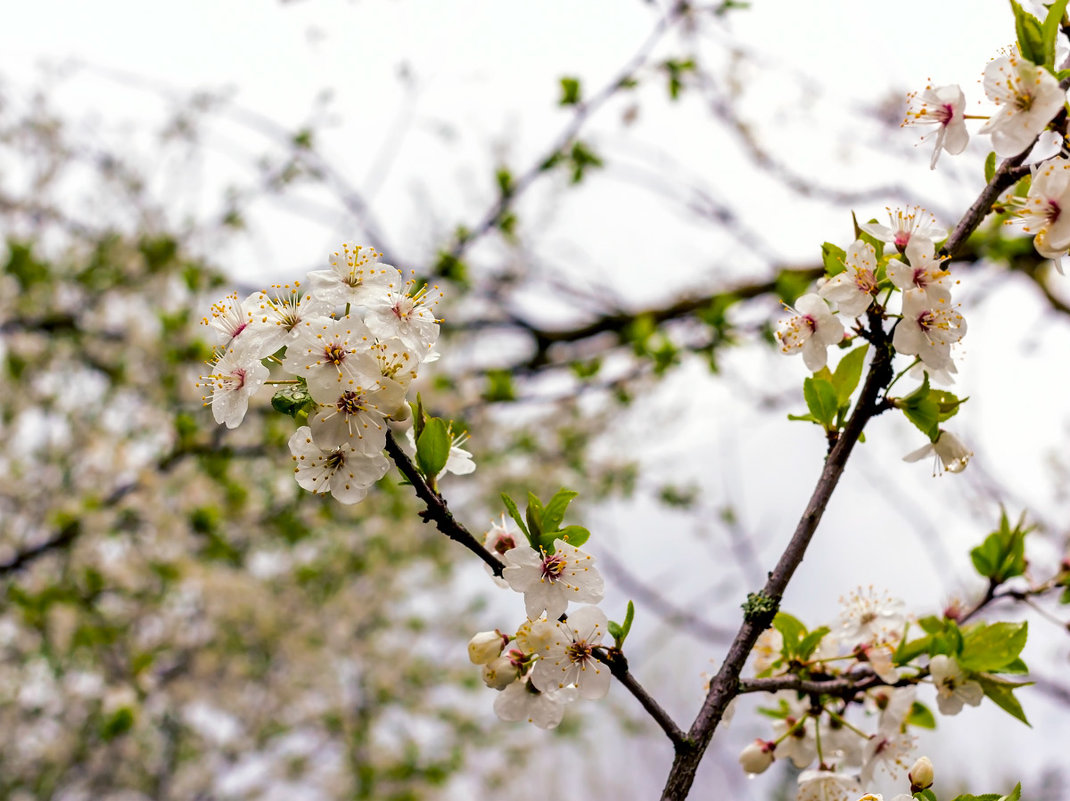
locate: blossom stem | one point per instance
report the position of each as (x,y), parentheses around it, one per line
(847,724)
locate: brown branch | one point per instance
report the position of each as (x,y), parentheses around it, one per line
(618,666)
(762,607)
(436,509)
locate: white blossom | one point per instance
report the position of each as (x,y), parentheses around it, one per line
(927,330)
(339,349)
(354,277)
(869,616)
(825,785)
(275,316)
(351,412)
(521,700)
(550,580)
(1029,97)
(235,376)
(486,646)
(343,470)
(943,107)
(811,331)
(407,315)
(1045,211)
(569,661)
(852,290)
(908,224)
(923,272)
(950,452)
(953,689)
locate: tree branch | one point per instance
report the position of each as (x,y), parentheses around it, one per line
(618,666)
(437,510)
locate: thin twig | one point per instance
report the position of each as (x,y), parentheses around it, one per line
(618,666)
(436,508)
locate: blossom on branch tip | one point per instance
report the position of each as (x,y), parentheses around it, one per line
(811,331)
(943,107)
(951,454)
(852,290)
(921,775)
(1029,97)
(550,580)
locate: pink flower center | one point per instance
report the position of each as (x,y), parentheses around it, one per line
(334,354)
(810,322)
(1053,211)
(902,239)
(238,377)
(553,566)
(579,652)
(504,544)
(944,114)
(350,402)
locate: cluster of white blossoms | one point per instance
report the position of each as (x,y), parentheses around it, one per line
(353,342)
(1028,97)
(807,730)
(551,660)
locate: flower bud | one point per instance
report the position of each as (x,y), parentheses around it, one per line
(485,647)
(757,756)
(921,775)
(400,420)
(499,673)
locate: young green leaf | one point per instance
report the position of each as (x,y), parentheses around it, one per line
(433,447)
(834,258)
(1030,34)
(991,647)
(514,512)
(1002,695)
(820,396)
(990,167)
(533,514)
(1050,30)
(556,508)
(848,374)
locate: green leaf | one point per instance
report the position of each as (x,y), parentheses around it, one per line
(555,509)
(809,643)
(1030,35)
(991,647)
(834,258)
(573,535)
(920,716)
(820,396)
(570,91)
(616,632)
(849,373)
(912,650)
(990,167)
(791,630)
(629,616)
(985,797)
(1016,793)
(533,514)
(1002,694)
(433,447)
(1050,30)
(922,410)
(514,512)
